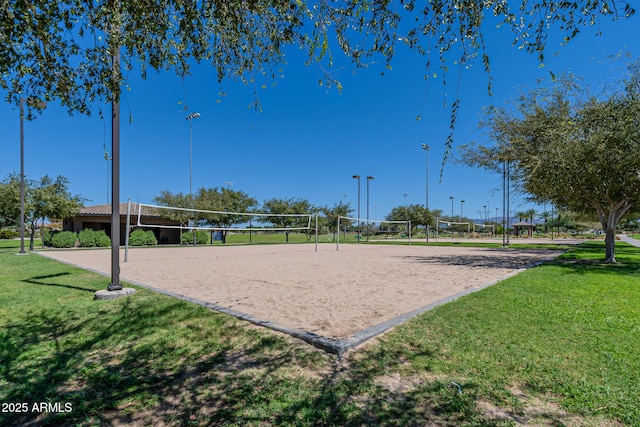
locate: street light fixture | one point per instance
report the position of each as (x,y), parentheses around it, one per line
(40,105)
(369,178)
(425,147)
(190,117)
(358,178)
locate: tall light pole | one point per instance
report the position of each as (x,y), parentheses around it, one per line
(190,117)
(22,175)
(425,147)
(369,178)
(485,214)
(358,178)
(461,204)
(108,158)
(38,104)
(451,197)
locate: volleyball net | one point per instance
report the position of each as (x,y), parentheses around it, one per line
(199,219)
(453,227)
(484,228)
(365,228)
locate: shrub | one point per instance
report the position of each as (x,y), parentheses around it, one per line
(202,238)
(48,235)
(91,238)
(141,237)
(64,239)
(8,234)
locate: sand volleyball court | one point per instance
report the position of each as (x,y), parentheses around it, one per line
(337,298)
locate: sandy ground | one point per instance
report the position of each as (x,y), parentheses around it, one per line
(331,293)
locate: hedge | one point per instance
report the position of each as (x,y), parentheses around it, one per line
(8,234)
(142,238)
(202,238)
(91,238)
(63,239)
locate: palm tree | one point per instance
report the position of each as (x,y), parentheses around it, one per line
(546,216)
(530,214)
(521,215)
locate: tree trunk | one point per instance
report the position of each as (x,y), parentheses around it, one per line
(610,244)
(33,234)
(609,221)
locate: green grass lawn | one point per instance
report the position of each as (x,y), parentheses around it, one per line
(15,243)
(555,345)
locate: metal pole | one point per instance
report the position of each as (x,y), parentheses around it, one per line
(552,221)
(115,284)
(22,176)
(358,178)
(425,147)
(451,197)
(461,203)
(508,199)
(126,236)
(504,202)
(190,117)
(369,178)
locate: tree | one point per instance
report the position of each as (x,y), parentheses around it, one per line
(177,200)
(45,198)
(50,199)
(417,214)
(227,204)
(530,214)
(329,218)
(521,215)
(276,208)
(579,151)
(10,201)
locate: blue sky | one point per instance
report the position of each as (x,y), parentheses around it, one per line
(308,141)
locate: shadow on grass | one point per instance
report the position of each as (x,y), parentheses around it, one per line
(589,257)
(39,280)
(128,364)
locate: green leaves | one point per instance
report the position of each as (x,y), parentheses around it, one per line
(578,152)
(63,50)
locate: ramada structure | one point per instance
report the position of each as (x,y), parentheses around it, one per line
(98,217)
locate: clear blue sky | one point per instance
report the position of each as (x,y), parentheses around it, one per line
(308,140)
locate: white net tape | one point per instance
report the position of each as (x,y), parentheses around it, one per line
(200,219)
